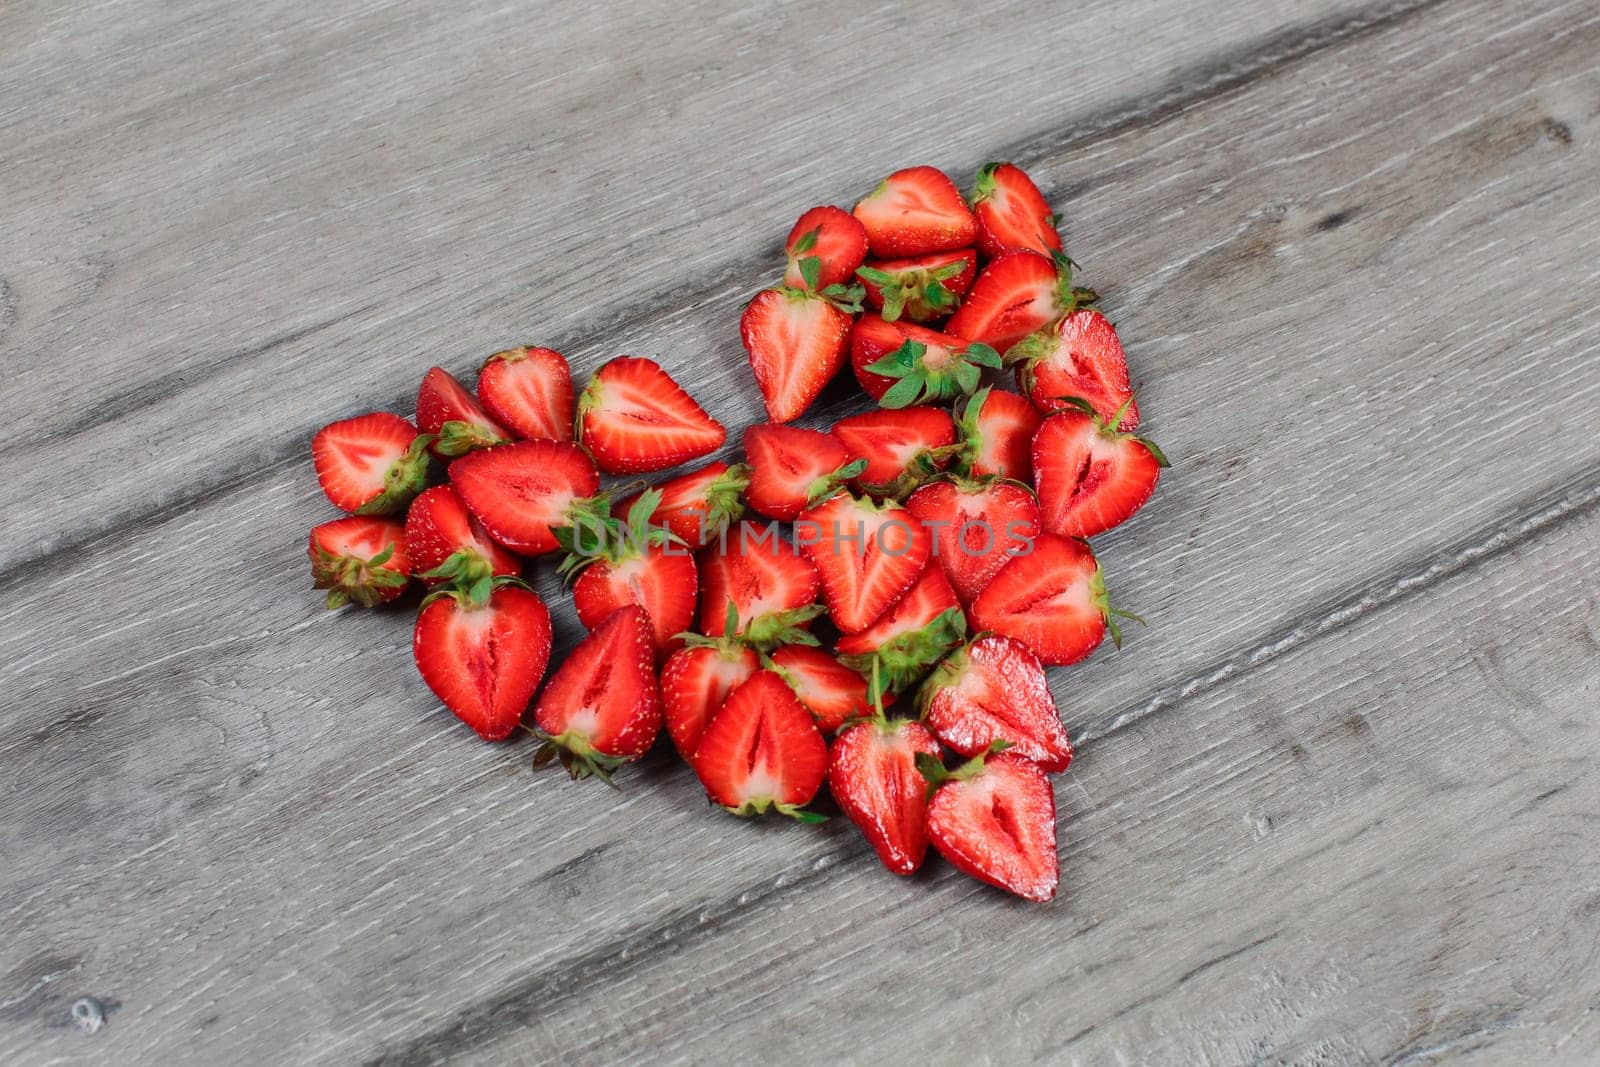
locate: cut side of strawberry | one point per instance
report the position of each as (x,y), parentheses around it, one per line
(902,448)
(901,363)
(446,543)
(834,239)
(992,690)
(919,288)
(372,464)
(994,818)
(911,637)
(832,692)
(762,752)
(601,708)
(792,468)
(1053,600)
(997,431)
(1016,294)
(529,390)
(633,418)
(696,507)
(977,527)
(1078,358)
(484,661)
(758,575)
(454,416)
(1012,214)
(916,211)
(696,680)
(796,341)
(1091,477)
(359,559)
(872,773)
(633,562)
(867,555)
(522,492)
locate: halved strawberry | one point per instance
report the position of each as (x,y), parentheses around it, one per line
(1078,357)
(1017,293)
(994,818)
(997,431)
(1090,476)
(872,773)
(1012,213)
(866,554)
(791,468)
(834,239)
(916,211)
(905,642)
(446,543)
(696,680)
(832,692)
(522,492)
(901,363)
(903,448)
(977,527)
(697,506)
(633,418)
(796,342)
(1052,599)
(992,690)
(762,751)
(918,288)
(632,562)
(529,390)
(484,661)
(372,464)
(758,575)
(359,558)
(453,415)
(601,708)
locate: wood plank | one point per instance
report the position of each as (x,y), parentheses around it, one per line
(209,208)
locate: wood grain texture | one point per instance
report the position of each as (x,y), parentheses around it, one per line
(245,822)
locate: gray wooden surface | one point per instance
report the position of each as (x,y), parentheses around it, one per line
(1337,804)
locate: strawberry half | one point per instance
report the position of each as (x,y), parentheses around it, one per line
(372,464)
(633,418)
(601,708)
(696,507)
(762,751)
(994,818)
(916,211)
(446,543)
(1053,600)
(834,239)
(484,661)
(632,562)
(1012,214)
(872,773)
(992,690)
(523,492)
(1091,477)
(901,363)
(911,637)
(997,431)
(796,340)
(755,575)
(454,416)
(977,527)
(359,558)
(529,390)
(1079,357)
(867,555)
(1017,293)
(902,448)
(696,680)
(832,692)
(791,468)
(918,288)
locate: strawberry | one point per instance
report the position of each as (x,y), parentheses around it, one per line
(633,418)
(454,416)
(522,492)
(866,554)
(602,707)
(697,506)
(992,690)
(696,680)
(872,773)
(484,660)
(632,562)
(834,239)
(977,527)
(372,464)
(795,339)
(1052,599)
(994,818)
(997,431)
(791,468)
(1017,293)
(1090,475)
(1012,213)
(905,642)
(918,288)
(902,448)
(1078,357)
(916,211)
(901,363)
(446,543)
(528,390)
(831,691)
(359,558)
(761,751)
(756,575)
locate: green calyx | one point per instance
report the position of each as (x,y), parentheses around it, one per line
(947,674)
(1108,427)
(970,432)
(1069,297)
(465,570)
(725,499)
(983,184)
(1102,602)
(762,805)
(352,579)
(902,661)
(918,294)
(595,534)
(471,595)
(933,770)
(777,628)
(458,437)
(578,756)
(923,468)
(405,478)
(833,481)
(920,383)
(847,298)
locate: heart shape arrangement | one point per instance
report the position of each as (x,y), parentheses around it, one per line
(938,540)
